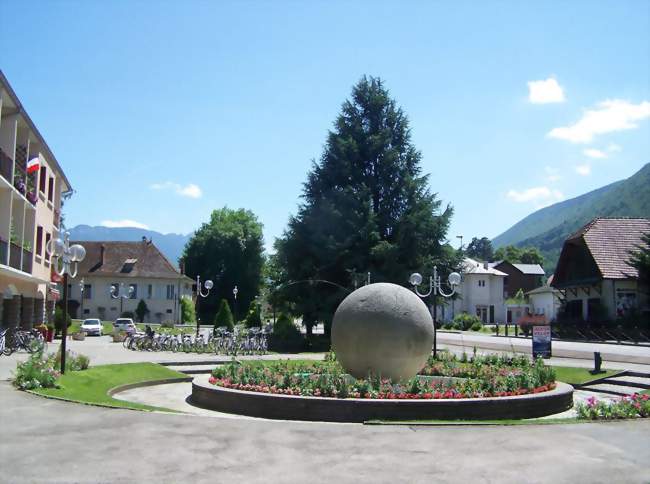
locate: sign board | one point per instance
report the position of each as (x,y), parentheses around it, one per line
(542,341)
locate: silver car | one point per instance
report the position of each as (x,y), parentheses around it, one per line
(92,327)
(124,324)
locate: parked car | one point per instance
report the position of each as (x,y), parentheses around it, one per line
(92,326)
(124,324)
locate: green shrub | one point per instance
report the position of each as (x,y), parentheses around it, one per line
(285,336)
(465,321)
(223,318)
(167,325)
(142,310)
(36,372)
(127,314)
(73,361)
(477,326)
(188,311)
(58,319)
(253,317)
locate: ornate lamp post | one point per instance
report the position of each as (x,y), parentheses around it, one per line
(199,293)
(234,293)
(82,287)
(66,263)
(118,292)
(435,287)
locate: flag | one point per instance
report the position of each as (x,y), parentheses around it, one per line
(33,165)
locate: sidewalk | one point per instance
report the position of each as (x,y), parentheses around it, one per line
(561,349)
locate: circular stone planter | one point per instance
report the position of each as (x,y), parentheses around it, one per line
(288,407)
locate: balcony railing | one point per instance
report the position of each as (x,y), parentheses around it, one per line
(5,166)
(4,248)
(15,251)
(27,261)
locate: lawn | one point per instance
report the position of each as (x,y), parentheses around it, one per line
(92,385)
(578,376)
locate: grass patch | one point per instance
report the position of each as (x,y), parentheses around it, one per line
(92,385)
(579,376)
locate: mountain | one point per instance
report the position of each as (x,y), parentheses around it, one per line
(171,245)
(547,228)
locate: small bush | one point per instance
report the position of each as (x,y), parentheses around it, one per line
(223,318)
(465,321)
(285,336)
(253,318)
(127,314)
(73,361)
(167,325)
(58,319)
(477,326)
(188,311)
(36,372)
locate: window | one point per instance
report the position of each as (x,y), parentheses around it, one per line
(47,240)
(88,291)
(50,189)
(43,179)
(481,283)
(39,240)
(149,291)
(171,291)
(134,293)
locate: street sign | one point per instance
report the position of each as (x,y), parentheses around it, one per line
(542,341)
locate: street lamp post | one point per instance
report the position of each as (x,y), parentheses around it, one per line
(199,293)
(66,264)
(435,288)
(81,291)
(234,293)
(117,292)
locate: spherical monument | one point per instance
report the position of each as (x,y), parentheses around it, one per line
(382,329)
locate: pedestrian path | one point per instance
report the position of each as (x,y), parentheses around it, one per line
(623,384)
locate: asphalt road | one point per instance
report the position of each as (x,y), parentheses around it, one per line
(46,441)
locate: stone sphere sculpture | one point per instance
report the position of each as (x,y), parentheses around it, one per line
(382,329)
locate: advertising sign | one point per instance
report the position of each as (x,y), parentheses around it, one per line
(542,341)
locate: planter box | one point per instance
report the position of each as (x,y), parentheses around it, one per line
(119,337)
(79,336)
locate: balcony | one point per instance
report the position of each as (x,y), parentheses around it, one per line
(5,166)
(15,253)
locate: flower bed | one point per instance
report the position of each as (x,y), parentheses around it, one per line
(634,406)
(477,377)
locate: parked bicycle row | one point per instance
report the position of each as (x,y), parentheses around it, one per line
(15,339)
(238,342)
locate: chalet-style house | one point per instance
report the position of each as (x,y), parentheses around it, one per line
(593,273)
(32,185)
(140,270)
(524,277)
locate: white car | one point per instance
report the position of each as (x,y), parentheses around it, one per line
(125,324)
(92,326)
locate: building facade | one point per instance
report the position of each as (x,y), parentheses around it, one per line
(30,213)
(593,275)
(519,277)
(480,293)
(139,271)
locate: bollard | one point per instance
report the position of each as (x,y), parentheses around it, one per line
(598,361)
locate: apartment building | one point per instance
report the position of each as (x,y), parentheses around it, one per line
(139,271)
(30,212)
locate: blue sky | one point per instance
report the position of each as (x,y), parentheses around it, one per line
(160,112)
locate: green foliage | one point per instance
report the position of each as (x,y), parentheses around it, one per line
(640,260)
(36,372)
(367,208)
(58,319)
(519,298)
(464,322)
(223,318)
(480,249)
(548,228)
(142,310)
(253,318)
(228,250)
(188,313)
(634,406)
(127,314)
(73,361)
(519,255)
(286,336)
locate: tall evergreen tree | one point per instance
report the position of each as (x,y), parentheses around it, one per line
(367,208)
(480,249)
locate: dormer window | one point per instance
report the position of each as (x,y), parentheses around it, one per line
(128,265)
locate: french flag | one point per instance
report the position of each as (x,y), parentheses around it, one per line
(33,165)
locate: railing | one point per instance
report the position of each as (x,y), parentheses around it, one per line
(5,166)
(27,261)
(15,251)
(4,248)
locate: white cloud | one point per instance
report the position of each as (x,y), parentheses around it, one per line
(544,92)
(124,223)
(539,195)
(583,170)
(594,153)
(609,116)
(552,174)
(190,190)
(613,148)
